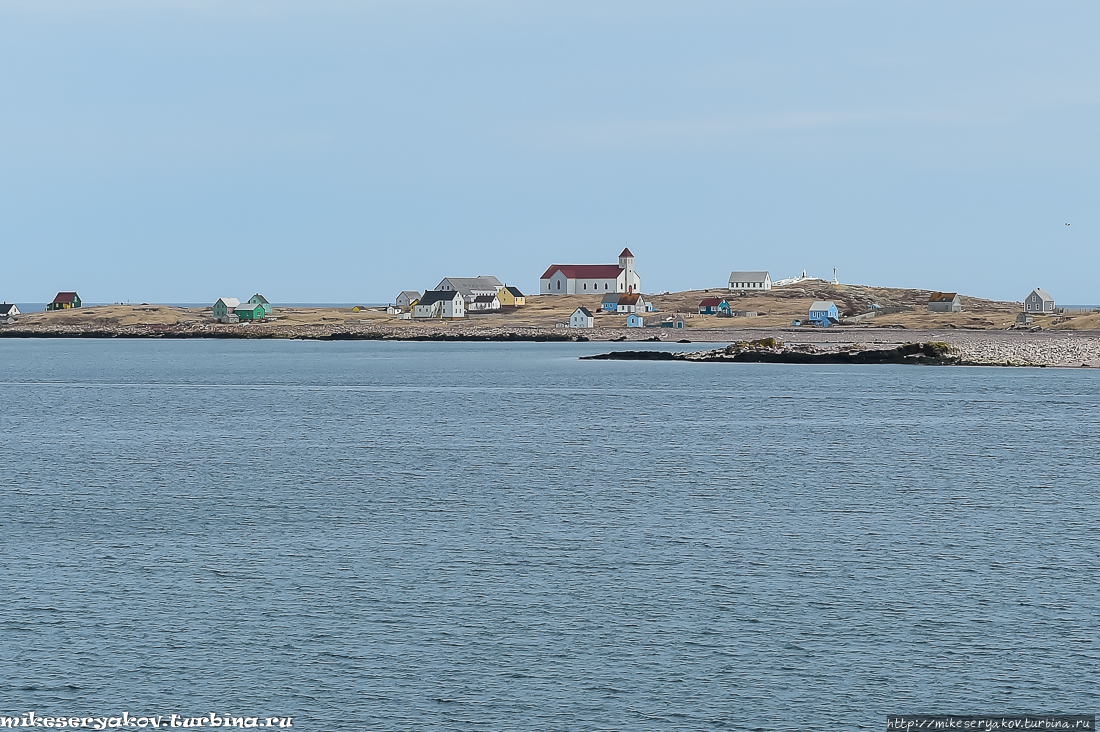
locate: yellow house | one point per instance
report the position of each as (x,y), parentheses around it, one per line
(511,297)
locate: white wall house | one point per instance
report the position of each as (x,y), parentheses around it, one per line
(405,298)
(585,279)
(750,281)
(582,318)
(630,302)
(1039,301)
(440,304)
(8,310)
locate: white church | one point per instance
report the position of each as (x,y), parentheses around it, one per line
(581,279)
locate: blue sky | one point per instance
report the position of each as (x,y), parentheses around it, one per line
(328,151)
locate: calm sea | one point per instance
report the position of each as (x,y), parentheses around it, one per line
(413,536)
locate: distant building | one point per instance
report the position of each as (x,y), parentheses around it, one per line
(750,281)
(442,304)
(1024,319)
(581,279)
(610,302)
(824,312)
(250,311)
(709,305)
(630,302)
(481,303)
(260,300)
(945,302)
(406,298)
(511,297)
(64,301)
(225,307)
(1039,301)
(471,287)
(582,318)
(634,321)
(8,310)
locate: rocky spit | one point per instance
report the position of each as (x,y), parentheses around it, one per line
(971,347)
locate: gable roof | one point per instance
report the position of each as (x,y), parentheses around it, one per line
(411,294)
(514,290)
(431,297)
(611,297)
(6,308)
(64,297)
(243,307)
(583,310)
(626,253)
(822,305)
(629,298)
(748,276)
(1042,293)
(481,282)
(230,302)
(485,298)
(259,298)
(942,296)
(709,302)
(585,271)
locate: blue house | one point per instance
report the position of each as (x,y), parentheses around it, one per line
(724,308)
(824,312)
(610,302)
(634,321)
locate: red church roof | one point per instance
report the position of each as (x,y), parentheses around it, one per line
(584,271)
(626,253)
(64,297)
(709,302)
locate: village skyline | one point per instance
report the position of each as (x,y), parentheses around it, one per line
(336,152)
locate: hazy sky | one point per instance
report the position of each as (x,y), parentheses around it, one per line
(329,151)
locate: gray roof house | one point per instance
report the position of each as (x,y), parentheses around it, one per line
(440,304)
(470,287)
(405,298)
(581,318)
(945,302)
(1039,301)
(750,281)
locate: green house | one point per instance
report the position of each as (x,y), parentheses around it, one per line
(64,301)
(260,300)
(250,311)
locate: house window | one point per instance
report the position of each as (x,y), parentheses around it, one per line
(586,285)
(559,284)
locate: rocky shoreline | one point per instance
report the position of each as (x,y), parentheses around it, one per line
(770,350)
(969,347)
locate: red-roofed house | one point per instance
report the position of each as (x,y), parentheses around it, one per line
(584,279)
(709,305)
(64,301)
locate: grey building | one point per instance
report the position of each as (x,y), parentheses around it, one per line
(945,302)
(750,281)
(1039,301)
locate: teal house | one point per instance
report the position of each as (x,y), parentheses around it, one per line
(260,300)
(250,311)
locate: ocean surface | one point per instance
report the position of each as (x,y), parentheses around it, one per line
(418,536)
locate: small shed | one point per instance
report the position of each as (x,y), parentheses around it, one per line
(1039,301)
(945,302)
(1024,319)
(406,298)
(634,321)
(480,303)
(64,301)
(582,318)
(709,305)
(511,297)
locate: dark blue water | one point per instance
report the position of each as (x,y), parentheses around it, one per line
(408,536)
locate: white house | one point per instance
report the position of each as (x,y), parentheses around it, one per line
(581,279)
(630,302)
(440,304)
(225,309)
(1039,301)
(750,281)
(471,287)
(406,298)
(8,310)
(945,302)
(482,302)
(582,318)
